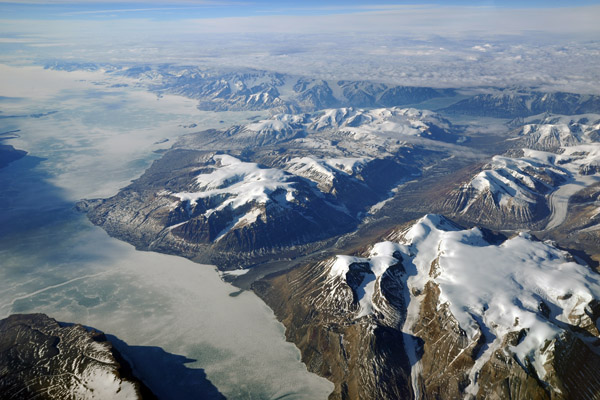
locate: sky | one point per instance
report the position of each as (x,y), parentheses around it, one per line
(187,9)
(447,43)
(56,17)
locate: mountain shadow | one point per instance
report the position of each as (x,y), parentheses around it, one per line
(166,374)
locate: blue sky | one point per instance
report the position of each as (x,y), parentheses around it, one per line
(185,9)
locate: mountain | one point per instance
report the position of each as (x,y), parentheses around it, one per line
(260,90)
(400,121)
(431,309)
(530,189)
(552,132)
(372,94)
(41,359)
(255,90)
(274,184)
(364,131)
(509,192)
(252,89)
(522,103)
(439,311)
(314,94)
(219,200)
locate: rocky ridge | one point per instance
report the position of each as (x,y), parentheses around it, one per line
(517,103)
(551,132)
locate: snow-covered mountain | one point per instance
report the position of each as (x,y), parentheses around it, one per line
(401,121)
(532,188)
(289,180)
(328,172)
(196,202)
(470,314)
(376,132)
(279,128)
(250,207)
(556,131)
(215,90)
(510,192)
(224,202)
(41,359)
(360,122)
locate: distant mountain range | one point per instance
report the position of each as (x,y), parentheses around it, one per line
(250,89)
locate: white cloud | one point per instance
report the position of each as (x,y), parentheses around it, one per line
(441,20)
(431,46)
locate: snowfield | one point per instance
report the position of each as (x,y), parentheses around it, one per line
(245,182)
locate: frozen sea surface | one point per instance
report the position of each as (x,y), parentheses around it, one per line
(174,319)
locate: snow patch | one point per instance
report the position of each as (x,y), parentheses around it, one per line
(241,182)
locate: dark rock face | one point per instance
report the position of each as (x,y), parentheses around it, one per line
(370,94)
(365,359)
(41,359)
(516,104)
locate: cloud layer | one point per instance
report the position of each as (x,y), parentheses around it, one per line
(455,46)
